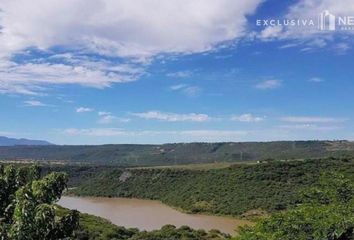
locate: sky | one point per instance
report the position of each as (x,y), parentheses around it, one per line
(154,71)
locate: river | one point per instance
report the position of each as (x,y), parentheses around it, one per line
(147,214)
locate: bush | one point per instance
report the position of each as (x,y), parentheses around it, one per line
(26,210)
(325,212)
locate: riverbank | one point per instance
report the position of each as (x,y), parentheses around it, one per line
(96,228)
(149,215)
(233,191)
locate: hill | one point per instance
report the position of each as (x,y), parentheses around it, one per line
(5,141)
(234,190)
(179,153)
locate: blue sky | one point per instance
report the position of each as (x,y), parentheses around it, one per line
(142,72)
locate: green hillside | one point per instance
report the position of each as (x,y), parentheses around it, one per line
(227,191)
(303,198)
(182,153)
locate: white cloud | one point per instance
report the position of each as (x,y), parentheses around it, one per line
(34,103)
(247,117)
(173,117)
(269,84)
(8,134)
(134,31)
(190,91)
(83,109)
(310,119)
(96,132)
(307,9)
(289,45)
(311,36)
(180,74)
(271,32)
(108,118)
(341,48)
(178,87)
(313,127)
(191,135)
(29,78)
(123,28)
(316,80)
(102,113)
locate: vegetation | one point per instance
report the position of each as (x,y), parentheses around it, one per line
(170,232)
(26,210)
(326,211)
(27,213)
(175,154)
(229,191)
(323,212)
(96,228)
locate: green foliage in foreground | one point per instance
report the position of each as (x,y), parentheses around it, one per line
(229,191)
(26,210)
(325,213)
(96,228)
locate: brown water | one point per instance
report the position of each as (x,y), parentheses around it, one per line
(147,214)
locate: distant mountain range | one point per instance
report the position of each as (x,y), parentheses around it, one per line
(180,153)
(5,141)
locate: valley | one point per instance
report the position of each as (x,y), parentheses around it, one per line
(213,199)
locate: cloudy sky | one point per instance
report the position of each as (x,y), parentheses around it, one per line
(154,71)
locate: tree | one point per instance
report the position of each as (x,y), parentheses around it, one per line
(324,212)
(26,205)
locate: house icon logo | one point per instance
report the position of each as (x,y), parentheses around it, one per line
(327,21)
